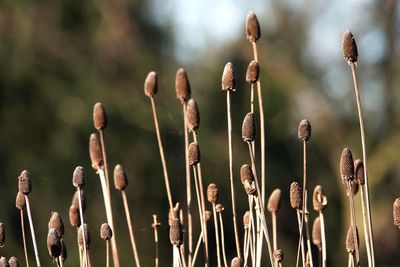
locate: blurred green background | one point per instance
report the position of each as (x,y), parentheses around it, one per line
(58,58)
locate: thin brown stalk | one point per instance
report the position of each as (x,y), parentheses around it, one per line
(107,253)
(323,237)
(82,221)
(301,244)
(274,236)
(61,261)
(79,249)
(28,209)
(155,226)
(23,236)
(105,164)
(196,251)
(200,207)
(353,223)
(363,206)
(223,240)
(216,235)
(182,258)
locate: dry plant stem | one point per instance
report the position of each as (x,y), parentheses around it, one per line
(196,251)
(107,204)
(181,258)
(79,249)
(21,212)
(370,235)
(367,244)
(274,237)
(57,262)
(216,235)
(246,246)
(221,223)
(130,228)
(103,151)
(160,146)
(323,237)
(301,243)
(61,261)
(252,97)
(107,253)
(155,227)
(82,222)
(308,238)
(28,209)
(353,223)
(235,227)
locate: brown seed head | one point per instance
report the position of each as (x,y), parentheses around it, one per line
(120,178)
(173,213)
(247,178)
(25,182)
(182,86)
(346,165)
(74,218)
(75,200)
(253,31)
(192,115)
(320,201)
(349,45)
(3,262)
(151,84)
(253,72)
(236,262)
(56,223)
(63,250)
(359,171)
(194,154)
(20,201)
(208,215)
(78,177)
(350,240)
(219,208)
(99,116)
(175,233)
(274,201)
(53,243)
(249,128)
(228,78)
(105,231)
(212,193)
(246,220)
(96,156)
(2,234)
(13,262)
(304,130)
(278,255)
(316,233)
(396,212)
(86,234)
(296,195)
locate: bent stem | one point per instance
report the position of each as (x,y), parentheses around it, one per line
(21,212)
(197,248)
(28,209)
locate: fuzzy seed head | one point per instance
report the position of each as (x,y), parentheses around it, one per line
(316,233)
(20,201)
(249,128)
(53,243)
(296,195)
(56,223)
(151,84)
(228,78)
(192,116)
(74,218)
(350,240)
(320,201)
(212,193)
(253,31)
(86,235)
(359,171)
(120,178)
(274,201)
(350,51)
(219,208)
(247,178)
(253,72)
(236,262)
(304,130)
(346,165)
(78,177)
(25,182)
(96,155)
(182,86)
(396,212)
(2,234)
(75,200)
(4,262)
(278,255)
(194,154)
(175,233)
(105,231)
(173,213)
(99,116)
(13,262)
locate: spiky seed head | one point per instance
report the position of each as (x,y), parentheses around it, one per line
(99,116)
(151,84)
(105,231)
(350,240)
(25,182)
(236,262)
(212,193)
(359,171)
(396,212)
(304,130)
(86,235)
(2,234)
(278,255)
(228,80)
(192,115)
(346,165)
(246,220)
(320,201)
(350,51)
(253,31)
(219,208)
(316,233)
(249,128)
(253,72)
(74,218)
(4,262)
(354,187)
(78,177)
(120,178)
(20,201)
(96,155)
(64,253)
(75,200)
(194,154)
(296,195)
(175,232)
(13,262)
(182,86)
(208,215)
(56,223)
(53,243)
(247,178)
(274,201)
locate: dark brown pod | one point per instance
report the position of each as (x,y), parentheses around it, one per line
(99,116)
(296,195)
(249,128)
(3,262)
(194,154)
(78,177)
(212,193)
(105,231)
(253,31)
(359,171)
(175,233)
(350,240)
(316,233)
(396,212)
(20,201)
(236,262)
(151,84)
(25,182)
(13,262)
(96,155)
(120,178)
(192,115)
(74,218)
(253,72)
(274,201)
(304,130)
(278,255)
(228,78)
(56,223)
(320,200)
(346,165)
(86,235)
(247,178)
(2,234)
(350,51)
(54,243)
(75,200)
(182,86)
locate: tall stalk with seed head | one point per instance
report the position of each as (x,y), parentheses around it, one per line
(20,204)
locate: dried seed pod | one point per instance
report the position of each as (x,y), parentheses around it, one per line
(105,231)
(253,72)
(346,165)
(228,78)
(4,262)
(2,234)
(182,86)
(173,213)
(74,218)
(320,200)
(25,182)
(350,240)
(175,233)
(13,262)
(396,212)
(354,187)
(219,208)
(75,200)
(212,193)
(96,155)
(194,154)
(120,178)
(151,84)
(274,201)
(56,223)
(54,243)
(278,255)
(246,220)
(316,233)
(249,128)
(99,116)
(78,177)
(304,130)
(192,115)
(296,195)
(359,171)
(86,235)
(253,31)
(236,262)
(20,201)
(350,51)
(208,215)
(247,178)
(63,250)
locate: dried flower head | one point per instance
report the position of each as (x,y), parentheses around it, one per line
(182,86)
(20,201)
(349,45)
(247,178)
(13,262)
(278,255)
(316,233)
(274,201)
(192,115)
(228,78)
(219,208)
(253,72)
(236,262)
(3,262)
(78,177)
(74,218)
(253,31)
(212,193)
(350,240)
(173,213)
(96,155)
(175,233)
(346,165)
(25,182)
(249,128)
(105,231)
(86,235)
(151,84)
(120,178)
(320,201)
(194,154)
(359,171)
(296,195)
(246,220)
(304,130)
(99,116)
(396,212)
(2,234)
(56,223)
(54,243)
